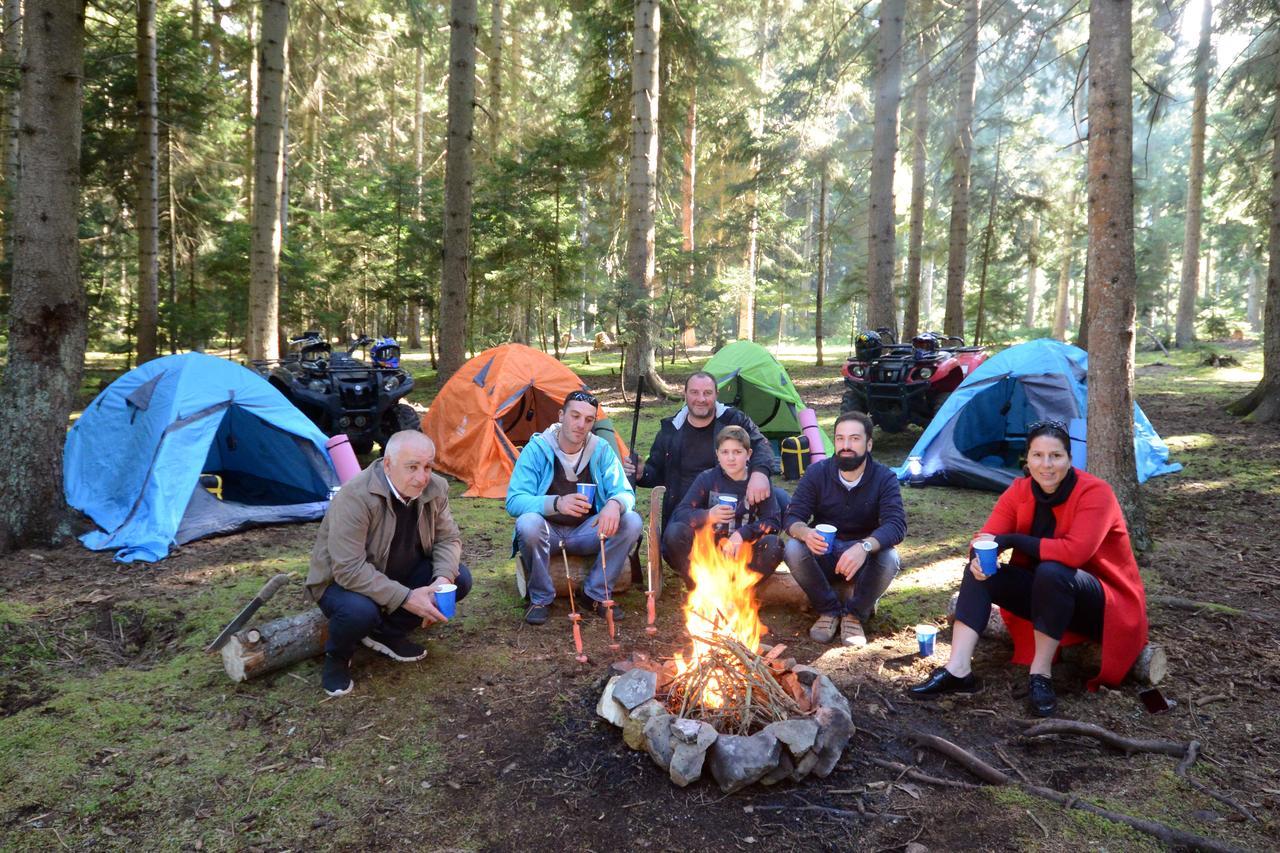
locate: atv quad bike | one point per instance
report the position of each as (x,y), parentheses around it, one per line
(902,384)
(344,394)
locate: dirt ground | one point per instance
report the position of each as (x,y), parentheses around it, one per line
(116,731)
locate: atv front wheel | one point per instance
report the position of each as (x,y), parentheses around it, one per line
(399,418)
(850,402)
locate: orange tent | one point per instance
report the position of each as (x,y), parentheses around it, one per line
(490,409)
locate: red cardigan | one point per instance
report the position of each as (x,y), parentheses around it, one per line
(1090,534)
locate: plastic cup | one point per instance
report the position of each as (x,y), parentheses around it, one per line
(588,490)
(987,551)
(447,599)
(828,534)
(915,470)
(730,501)
(925,636)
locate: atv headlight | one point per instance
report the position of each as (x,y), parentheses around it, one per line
(926,372)
(860,371)
(390,383)
(318,385)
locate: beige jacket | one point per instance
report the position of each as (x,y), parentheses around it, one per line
(355,538)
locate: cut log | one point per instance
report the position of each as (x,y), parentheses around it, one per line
(780,589)
(257,651)
(1149,669)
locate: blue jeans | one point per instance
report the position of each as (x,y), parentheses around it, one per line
(353,616)
(538,540)
(816,573)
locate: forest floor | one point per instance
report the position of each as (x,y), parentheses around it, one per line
(117,731)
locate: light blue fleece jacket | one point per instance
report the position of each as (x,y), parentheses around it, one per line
(535,467)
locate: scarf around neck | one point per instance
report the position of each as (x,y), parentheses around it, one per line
(1043,522)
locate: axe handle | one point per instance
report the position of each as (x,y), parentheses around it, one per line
(269,589)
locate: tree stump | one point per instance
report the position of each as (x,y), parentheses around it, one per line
(781,589)
(254,652)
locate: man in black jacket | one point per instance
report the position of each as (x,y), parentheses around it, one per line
(859,497)
(685,447)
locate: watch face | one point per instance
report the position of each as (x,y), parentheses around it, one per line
(866,546)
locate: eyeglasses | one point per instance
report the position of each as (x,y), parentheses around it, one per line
(1058,426)
(581,397)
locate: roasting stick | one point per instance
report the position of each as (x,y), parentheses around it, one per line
(574,616)
(608,601)
(652,603)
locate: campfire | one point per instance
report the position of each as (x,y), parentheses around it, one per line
(752,717)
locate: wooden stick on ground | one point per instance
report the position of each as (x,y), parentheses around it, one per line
(991,775)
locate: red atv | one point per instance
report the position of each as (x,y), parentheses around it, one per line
(901,384)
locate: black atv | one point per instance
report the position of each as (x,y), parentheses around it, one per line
(342,393)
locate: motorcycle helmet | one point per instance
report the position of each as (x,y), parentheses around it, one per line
(386,353)
(925,346)
(867,346)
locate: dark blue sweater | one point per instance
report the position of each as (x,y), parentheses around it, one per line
(872,508)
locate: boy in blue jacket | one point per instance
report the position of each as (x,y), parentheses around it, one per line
(552,512)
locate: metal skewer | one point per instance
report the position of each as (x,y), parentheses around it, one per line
(608,600)
(574,616)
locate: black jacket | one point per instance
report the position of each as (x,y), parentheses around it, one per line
(662,468)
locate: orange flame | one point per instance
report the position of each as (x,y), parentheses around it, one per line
(724,597)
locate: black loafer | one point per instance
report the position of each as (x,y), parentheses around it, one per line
(941,682)
(1040,696)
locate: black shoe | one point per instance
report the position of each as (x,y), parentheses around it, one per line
(537,614)
(1040,696)
(941,682)
(396,648)
(598,609)
(335,678)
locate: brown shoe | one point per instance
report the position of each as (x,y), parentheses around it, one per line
(824,630)
(851,633)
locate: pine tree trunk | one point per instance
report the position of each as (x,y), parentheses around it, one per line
(495,77)
(11,55)
(1111,277)
(818,332)
(642,181)
(688,180)
(1185,332)
(1253,301)
(1033,270)
(262,338)
(961,153)
(979,327)
(147,182)
(747,298)
(881,242)
(919,135)
(419,74)
(1061,309)
(455,285)
(171,199)
(1262,404)
(251,106)
(47,314)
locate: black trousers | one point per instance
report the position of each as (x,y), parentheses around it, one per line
(1054,598)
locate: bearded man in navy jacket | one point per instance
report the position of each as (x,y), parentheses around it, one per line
(860,498)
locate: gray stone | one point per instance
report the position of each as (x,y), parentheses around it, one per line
(608,707)
(738,761)
(636,687)
(786,767)
(806,674)
(685,730)
(657,739)
(835,727)
(690,753)
(798,735)
(829,696)
(633,728)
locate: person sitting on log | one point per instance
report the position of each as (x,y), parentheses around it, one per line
(736,523)
(859,497)
(552,512)
(387,543)
(685,447)
(1071,576)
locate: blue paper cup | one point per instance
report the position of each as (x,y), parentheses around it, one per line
(589,491)
(828,534)
(730,501)
(925,636)
(447,599)
(987,551)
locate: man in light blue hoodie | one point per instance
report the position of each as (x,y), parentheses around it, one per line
(551,512)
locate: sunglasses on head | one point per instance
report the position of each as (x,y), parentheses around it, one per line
(1059,426)
(581,397)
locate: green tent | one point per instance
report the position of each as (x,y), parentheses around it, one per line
(752,380)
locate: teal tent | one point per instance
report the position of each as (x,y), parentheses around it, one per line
(752,380)
(978,438)
(188,446)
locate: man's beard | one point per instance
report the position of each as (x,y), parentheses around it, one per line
(850,462)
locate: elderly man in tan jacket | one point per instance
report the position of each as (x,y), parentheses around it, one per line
(386,545)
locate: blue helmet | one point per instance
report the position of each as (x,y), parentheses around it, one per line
(386,353)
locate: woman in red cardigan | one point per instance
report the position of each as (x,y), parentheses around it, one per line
(1071,576)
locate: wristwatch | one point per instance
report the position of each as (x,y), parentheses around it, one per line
(866,546)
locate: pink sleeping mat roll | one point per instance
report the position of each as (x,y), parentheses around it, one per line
(344,458)
(809,426)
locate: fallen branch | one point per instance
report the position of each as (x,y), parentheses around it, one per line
(1177,602)
(1126,745)
(991,775)
(1193,752)
(920,776)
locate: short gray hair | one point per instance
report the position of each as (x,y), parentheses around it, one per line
(405,439)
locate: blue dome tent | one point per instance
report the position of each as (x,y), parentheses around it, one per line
(979,435)
(134,460)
